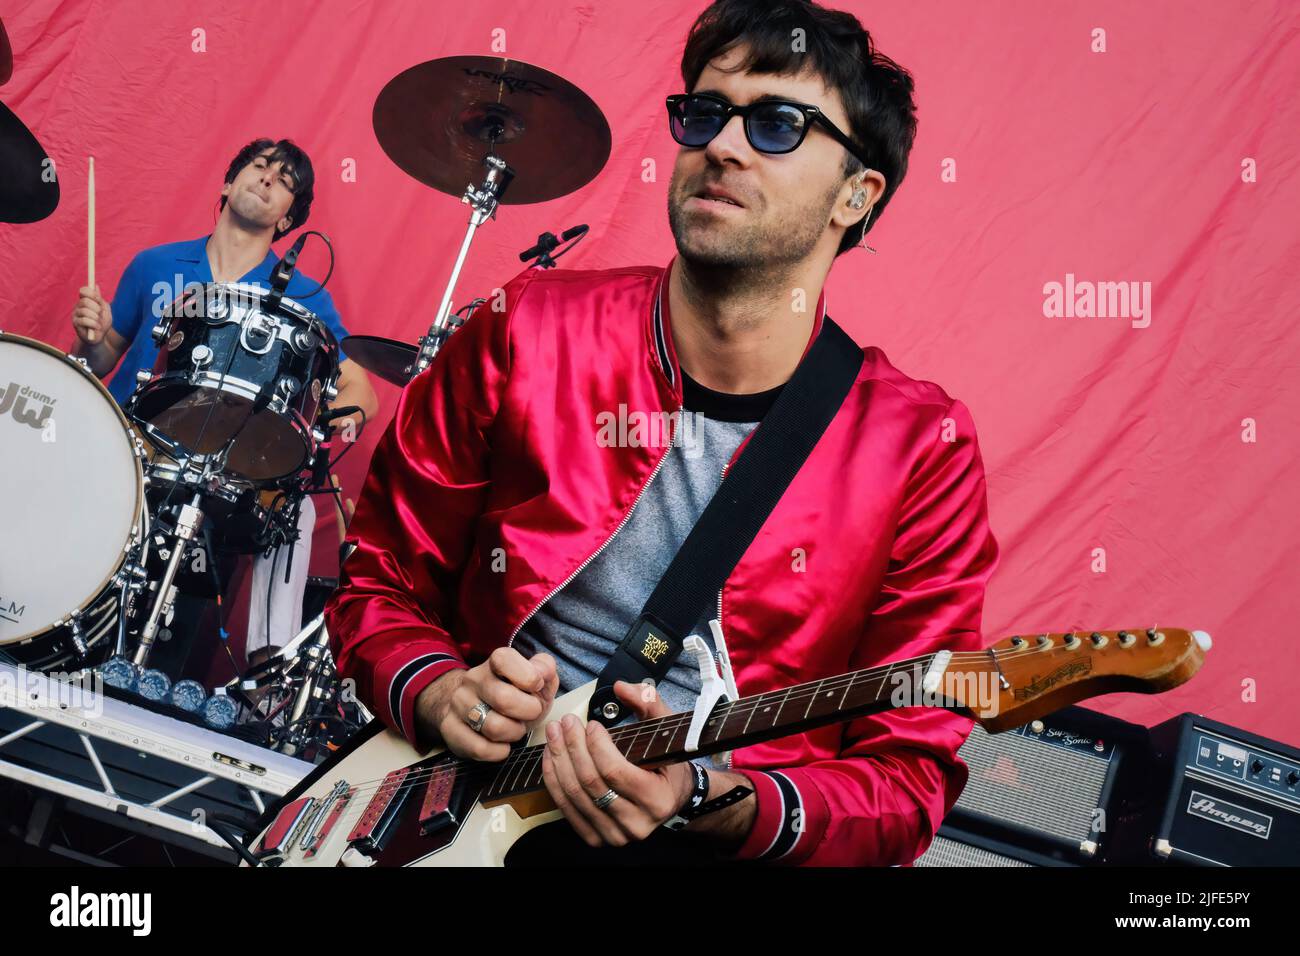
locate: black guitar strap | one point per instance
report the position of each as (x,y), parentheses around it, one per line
(743,502)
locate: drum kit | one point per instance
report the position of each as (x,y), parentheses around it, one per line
(105,510)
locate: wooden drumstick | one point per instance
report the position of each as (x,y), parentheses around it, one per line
(90,228)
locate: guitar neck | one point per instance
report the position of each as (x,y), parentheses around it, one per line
(750,720)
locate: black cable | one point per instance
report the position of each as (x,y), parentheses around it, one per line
(216,583)
(323,282)
(329,467)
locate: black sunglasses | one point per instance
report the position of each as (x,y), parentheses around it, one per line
(771,125)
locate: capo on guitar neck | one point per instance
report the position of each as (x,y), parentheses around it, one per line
(714,686)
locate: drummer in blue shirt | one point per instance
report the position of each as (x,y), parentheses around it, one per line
(268,192)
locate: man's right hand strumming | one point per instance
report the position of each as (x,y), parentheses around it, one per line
(519,692)
(97,342)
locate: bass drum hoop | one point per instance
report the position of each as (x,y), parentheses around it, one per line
(97,595)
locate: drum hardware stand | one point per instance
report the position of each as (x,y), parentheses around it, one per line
(314,653)
(483,200)
(307,663)
(188,524)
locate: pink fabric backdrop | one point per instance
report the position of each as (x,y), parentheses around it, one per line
(1116,166)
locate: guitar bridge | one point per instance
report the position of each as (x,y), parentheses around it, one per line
(288,822)
(322,822)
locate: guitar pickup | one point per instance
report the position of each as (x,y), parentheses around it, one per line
(444,798)
(377,820)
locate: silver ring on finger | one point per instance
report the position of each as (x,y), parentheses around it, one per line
(477,716)
(606,798)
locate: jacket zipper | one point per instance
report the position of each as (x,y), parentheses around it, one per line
(672,441)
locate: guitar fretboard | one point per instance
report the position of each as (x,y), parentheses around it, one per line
(739,723)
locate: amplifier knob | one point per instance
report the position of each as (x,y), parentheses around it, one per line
(1037,726)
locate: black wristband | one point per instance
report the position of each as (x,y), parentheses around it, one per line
(698,795)
(734,795)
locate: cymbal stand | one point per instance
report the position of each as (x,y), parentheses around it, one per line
(483,201)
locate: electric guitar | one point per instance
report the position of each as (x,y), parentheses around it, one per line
(381,802)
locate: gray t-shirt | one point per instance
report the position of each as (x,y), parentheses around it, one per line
(584,623)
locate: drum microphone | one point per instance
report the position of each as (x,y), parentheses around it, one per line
(283,272)
(548,241)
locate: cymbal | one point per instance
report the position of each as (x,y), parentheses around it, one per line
(25,196)
(436,120)
(386,358)
(6,56)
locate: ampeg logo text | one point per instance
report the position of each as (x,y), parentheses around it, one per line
(15,398)
(1229,815)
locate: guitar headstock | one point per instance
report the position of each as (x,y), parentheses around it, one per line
(1030,676)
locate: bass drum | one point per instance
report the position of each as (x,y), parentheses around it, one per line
(71,508)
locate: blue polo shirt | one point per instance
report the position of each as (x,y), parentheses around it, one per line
(157,277)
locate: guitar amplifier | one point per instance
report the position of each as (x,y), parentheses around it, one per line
(1232,798)
(956,847)
(1060,784)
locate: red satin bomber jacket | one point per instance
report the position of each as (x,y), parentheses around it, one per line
(490,491)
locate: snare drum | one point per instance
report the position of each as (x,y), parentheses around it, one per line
(71,507)
(232,370)
(244,518)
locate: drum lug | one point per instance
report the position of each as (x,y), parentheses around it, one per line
(79,360)
(318,435)
(143,376)
(159,331)
(331,392)
(76,636)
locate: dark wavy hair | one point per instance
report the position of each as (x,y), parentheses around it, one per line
(296,162)
(876,91)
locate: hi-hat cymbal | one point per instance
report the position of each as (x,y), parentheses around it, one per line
(436,121)
(387,358)
(28,190)
(6,56)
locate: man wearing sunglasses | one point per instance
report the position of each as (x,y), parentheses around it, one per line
(505,545)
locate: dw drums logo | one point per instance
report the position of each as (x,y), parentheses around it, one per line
(16,398)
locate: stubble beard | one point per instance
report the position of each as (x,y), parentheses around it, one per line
(752,252)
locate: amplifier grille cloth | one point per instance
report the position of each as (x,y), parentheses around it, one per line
(945,852)
(1053,790)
